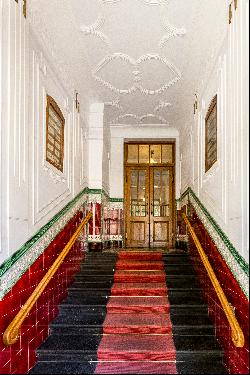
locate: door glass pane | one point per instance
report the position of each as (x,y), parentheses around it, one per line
(132,154)
(167,153)
(155,154)
(144,154)
(138,193)
(161,193)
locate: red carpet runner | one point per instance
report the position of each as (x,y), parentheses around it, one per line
(137,331)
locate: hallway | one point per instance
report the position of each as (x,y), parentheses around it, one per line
(124,130)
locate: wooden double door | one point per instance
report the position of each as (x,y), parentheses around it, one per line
(149,206)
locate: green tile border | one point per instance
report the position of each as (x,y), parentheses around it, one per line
(6,265)
(232,252)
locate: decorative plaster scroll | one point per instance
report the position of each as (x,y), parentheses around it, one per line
(139,119)
(172,31)
(93,30)
(161,105)
(136,72)
(155,2)
(147,2)
(115,104)
(110,1)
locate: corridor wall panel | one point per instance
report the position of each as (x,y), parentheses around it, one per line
(223,189)
(32,189)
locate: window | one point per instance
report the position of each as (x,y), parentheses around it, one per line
(211,135)
(54,134)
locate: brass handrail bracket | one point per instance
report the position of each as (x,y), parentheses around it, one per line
(236,332)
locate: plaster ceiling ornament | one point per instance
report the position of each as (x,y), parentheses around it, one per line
(147,2)
(161,105)
(136,73)
(115,104)
(94,30)
(139,119)
(155,2)
(172,32)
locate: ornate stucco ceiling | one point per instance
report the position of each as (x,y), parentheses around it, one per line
(145,59)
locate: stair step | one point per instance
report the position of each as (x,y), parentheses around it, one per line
(135,367)
(139,276)
(188,310)
(70,344)
(140,255)
(178,269)
(78,319)
(97,271)
(139,265)
(137,323)
(139,289)
(81,298)
(90,278)
(134,347)
(180,297)
(64,368)
(138,305)
(78,284)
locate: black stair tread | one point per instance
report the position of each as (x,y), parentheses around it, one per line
(64,368)
(178,297)
(88,367)
(178,269)
(91,285)
(70,343)
(86,300)
(98,271)
(189,320)
(82,276)
(93,319)
(196,343)
(201,367)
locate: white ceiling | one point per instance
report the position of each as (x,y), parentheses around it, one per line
(145,59)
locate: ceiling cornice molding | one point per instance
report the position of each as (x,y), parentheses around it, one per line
(137,73)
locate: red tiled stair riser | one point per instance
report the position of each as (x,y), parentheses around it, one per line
(21,357)
(236,359)
(137,328)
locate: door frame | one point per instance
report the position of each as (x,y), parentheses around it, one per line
(173,165)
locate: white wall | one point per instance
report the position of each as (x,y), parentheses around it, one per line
(32,190)
(119,133)
(224,188)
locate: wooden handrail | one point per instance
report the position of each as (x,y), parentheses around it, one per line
(12,332)
(236,332)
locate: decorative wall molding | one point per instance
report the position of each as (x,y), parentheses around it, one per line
(233,259)
(136,72)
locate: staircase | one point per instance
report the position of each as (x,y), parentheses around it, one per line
(76,333)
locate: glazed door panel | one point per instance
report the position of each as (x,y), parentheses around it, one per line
(137,204)
(161,206)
